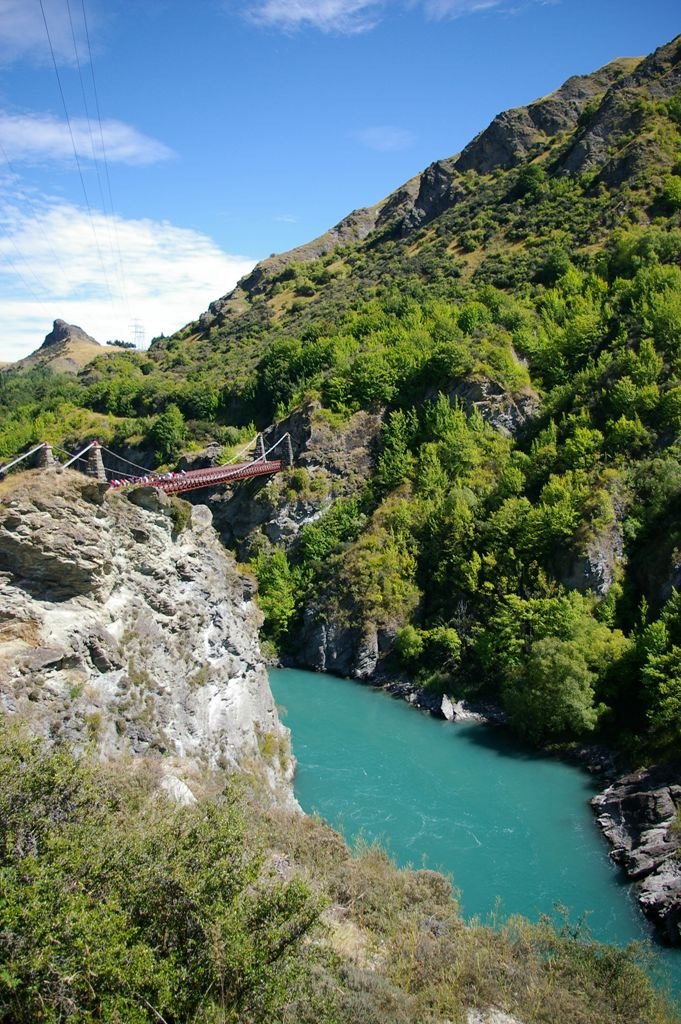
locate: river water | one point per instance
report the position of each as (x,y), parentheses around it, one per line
(513,829)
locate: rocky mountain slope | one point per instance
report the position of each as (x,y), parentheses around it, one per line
(126,627)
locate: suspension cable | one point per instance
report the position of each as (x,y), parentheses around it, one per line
(107,176)
(275,445)
(135,465)
(20,458)
(80,454)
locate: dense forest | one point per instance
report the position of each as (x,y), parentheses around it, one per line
(514,317)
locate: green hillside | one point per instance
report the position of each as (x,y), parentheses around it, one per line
(513,315)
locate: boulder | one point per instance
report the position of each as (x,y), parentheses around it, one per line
(638,816)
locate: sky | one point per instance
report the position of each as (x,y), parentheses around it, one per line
(151,151)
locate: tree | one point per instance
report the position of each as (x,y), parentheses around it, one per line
(396,463)
(167,433)
(552,698)
(661,677)
(277,588)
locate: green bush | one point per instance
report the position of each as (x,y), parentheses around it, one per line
(115,906)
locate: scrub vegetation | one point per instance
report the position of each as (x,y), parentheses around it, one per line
(116,906)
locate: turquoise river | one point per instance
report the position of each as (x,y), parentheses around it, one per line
(513,829)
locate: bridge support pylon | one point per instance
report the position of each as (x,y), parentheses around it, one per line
(287,453)
(259,447)
(45,458)
(95,464)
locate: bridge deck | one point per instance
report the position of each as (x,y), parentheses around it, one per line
(194,479)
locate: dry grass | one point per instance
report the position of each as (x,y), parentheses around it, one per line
(65,357)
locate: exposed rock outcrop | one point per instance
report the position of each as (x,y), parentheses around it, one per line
(335,462)
(595,568)
(621,116)
(61,332)
(638,815)
(513,134)
(507,412)
(127,627)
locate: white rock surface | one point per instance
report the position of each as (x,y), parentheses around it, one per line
(491,1016)
(123,631)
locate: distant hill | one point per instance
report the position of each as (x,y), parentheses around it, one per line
(66,349)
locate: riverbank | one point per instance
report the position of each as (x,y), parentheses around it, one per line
(639,815)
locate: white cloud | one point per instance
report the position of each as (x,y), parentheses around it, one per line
(22,31)
(52,267)
(352,16)
(39,138)
(347,16)
(438,9)
(286,218)
(385,138)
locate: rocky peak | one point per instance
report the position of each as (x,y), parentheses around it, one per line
(61,331)
(66,349)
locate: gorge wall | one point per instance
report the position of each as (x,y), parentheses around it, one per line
(127,628)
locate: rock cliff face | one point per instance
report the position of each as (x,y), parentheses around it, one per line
(638,817)
(330,462)
(127,627)
(513,134)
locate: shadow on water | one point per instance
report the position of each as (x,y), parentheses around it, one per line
(500,741)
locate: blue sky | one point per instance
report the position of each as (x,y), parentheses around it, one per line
(233,129)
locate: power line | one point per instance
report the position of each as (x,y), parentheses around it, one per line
(112,233)
(85,104)
(106,162)
(75,149)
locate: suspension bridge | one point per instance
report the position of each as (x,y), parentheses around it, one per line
(252,461)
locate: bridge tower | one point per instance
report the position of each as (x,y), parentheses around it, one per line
(287,454)
(95,464)
(45,458)
(259,447)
